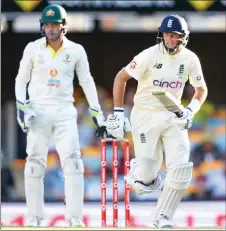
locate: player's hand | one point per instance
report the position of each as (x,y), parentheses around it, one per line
(25,115)
(116,124)
(99,120)
(184,121)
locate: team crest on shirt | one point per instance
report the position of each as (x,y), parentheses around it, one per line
(67,59)
(181,71)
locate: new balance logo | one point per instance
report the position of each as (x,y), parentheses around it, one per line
(142,138)
(158,66)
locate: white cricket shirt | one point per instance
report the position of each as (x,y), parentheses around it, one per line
(158,71)
(50,75)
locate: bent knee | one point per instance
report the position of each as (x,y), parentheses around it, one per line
(146,176)
(147,170)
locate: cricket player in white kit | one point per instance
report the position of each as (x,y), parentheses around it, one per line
(165,66)
(47,67)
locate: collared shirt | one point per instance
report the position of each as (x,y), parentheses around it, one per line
(50,74)
(159,71)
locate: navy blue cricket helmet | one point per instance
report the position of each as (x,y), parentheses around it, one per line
(174,24)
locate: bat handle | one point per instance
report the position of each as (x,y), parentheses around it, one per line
(179,114)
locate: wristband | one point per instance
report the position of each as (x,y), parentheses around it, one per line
(119,111)
(194,105)
(94,112)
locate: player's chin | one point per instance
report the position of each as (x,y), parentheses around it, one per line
(171,46)
(52,37)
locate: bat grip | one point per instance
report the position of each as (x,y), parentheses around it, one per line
(179,114)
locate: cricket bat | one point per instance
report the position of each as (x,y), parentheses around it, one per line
(169,102)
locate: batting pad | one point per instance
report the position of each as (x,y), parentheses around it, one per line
(34,188)
(74,188)
(176,182)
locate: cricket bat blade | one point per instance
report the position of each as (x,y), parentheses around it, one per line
(169,102)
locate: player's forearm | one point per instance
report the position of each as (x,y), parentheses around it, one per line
(20,90)
(198,99)
(119,88)
(90,91)
(201,94)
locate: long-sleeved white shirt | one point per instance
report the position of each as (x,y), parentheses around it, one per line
(158,71)
(50,75)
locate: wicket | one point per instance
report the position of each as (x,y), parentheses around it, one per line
(115,144)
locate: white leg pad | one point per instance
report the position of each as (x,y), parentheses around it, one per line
(74,188)
(34,188)
(176,182)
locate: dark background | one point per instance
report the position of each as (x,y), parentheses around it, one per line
(85,5)
(109,52)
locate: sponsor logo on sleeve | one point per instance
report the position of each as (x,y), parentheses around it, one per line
(133,64)
(198,78)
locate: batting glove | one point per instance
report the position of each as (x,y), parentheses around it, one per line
(116,124)
(99,120)
(25,115)
(184,120)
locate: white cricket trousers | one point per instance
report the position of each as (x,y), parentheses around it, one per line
(57,121)
(60,122)
(153,134)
